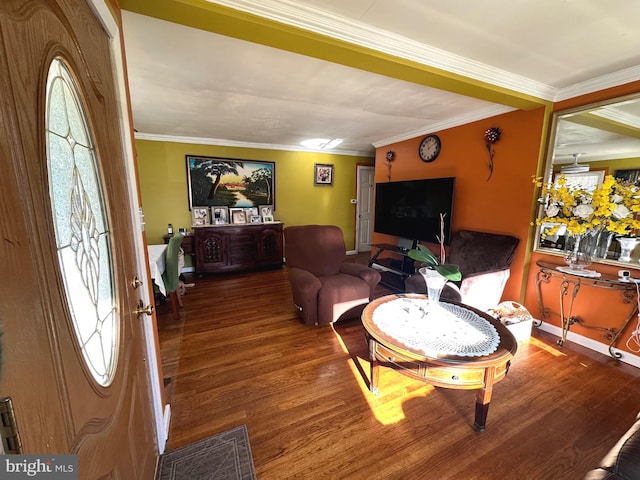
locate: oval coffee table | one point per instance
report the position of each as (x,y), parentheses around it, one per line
(399,337)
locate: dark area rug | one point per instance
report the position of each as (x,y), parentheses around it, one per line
(226,456)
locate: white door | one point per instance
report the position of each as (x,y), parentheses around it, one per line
(73,348)
(364,210)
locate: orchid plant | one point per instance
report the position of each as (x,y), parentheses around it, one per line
(422,254)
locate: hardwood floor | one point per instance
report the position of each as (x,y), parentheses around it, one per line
(240,355)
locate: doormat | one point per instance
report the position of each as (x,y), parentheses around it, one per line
(226,456)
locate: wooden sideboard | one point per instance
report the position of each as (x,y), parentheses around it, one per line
(235,248)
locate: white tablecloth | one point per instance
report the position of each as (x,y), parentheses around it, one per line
(157,264)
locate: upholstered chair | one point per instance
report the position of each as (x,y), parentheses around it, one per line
(484,260)
(325,287)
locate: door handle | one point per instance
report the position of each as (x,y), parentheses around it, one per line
(140,309)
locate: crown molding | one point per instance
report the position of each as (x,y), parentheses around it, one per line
(488,112)
(324,23)
(627,75)
(232,143)
(357,33)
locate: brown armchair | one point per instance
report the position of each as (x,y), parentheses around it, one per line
(325,287)
(485,262)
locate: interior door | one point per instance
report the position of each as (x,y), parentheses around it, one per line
(364,209)
(73,348)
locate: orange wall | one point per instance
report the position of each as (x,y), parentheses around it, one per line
(499,205)
(505,203)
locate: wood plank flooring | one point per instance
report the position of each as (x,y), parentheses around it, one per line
(240,355)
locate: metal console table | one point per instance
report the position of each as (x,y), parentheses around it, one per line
(570,284)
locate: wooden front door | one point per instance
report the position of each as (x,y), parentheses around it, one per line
(73,349)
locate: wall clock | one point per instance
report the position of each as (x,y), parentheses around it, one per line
(429,148)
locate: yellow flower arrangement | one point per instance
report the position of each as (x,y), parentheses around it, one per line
(612,206)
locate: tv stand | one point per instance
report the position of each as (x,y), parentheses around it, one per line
(394,270)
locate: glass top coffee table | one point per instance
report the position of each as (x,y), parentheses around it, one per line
(445,344)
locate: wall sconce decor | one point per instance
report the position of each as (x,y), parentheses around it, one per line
(390,156)
(491,137)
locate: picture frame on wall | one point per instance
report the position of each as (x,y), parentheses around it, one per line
(220,215)
(238,215)
(323,174)
(229,182)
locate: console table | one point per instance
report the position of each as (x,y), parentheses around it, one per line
(238,247)
(468,369)
(570,284)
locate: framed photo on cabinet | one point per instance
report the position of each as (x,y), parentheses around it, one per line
(200,216)
(238,215)
(220,215)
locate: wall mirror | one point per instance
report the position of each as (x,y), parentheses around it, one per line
(585,144)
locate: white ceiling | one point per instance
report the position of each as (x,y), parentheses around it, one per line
(200,87)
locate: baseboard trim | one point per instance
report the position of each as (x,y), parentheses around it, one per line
(591,344)
(167,420)
(352,252)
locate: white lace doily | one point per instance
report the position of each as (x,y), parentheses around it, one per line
(436,329)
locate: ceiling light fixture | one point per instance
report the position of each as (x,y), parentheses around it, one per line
(575,167)
(321,143)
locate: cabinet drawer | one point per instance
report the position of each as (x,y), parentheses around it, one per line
(468,377)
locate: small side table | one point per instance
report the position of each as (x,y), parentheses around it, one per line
(570,284)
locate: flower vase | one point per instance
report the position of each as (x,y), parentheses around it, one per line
(435,282)
(602,243)
(627,244)
(578,250)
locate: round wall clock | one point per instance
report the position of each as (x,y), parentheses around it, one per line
(429,148)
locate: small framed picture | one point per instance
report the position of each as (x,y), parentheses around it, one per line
(248,211)
(265,210)
(238,215)
(268,219)
(200,216)
(323,174)
(220,215)
(255,219)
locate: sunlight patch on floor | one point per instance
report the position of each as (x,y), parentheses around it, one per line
(387,407)
(546,347)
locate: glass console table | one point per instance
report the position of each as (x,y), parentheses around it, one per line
(570,285)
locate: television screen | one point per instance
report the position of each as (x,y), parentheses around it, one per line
(411,209)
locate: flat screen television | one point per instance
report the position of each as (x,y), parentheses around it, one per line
(411,209)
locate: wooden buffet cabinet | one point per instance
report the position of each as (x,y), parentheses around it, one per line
(236,248)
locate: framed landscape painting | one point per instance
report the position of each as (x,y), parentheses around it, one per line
(227,182)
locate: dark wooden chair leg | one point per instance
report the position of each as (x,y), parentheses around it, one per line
(173,297)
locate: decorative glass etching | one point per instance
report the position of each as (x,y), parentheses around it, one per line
(81,226)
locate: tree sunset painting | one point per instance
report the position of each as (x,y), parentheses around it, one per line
(230,182)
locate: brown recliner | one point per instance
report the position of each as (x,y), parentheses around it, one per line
(325,287)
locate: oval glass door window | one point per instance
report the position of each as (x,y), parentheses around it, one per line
(80,222)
